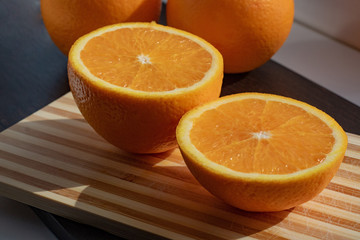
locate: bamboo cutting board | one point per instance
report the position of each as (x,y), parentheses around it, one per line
(54,161)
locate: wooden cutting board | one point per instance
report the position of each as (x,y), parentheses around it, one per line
(54,161)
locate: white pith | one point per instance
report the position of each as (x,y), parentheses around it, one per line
(144,59)
(261,135)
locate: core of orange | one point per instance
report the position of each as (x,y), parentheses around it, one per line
(246,32)
(261,152)
(67,20)
(133,82)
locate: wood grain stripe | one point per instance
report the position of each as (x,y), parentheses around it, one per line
(73,192)
(349,172)
(338,200)
(54,155)
(93,209)
(108,156)
(208,218)
(93,194)
(353,162)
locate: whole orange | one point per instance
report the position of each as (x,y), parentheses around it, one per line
(246,32)
(67,20)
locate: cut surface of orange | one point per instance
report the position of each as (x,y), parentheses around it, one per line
(136,54)
(133,81)
(261,152)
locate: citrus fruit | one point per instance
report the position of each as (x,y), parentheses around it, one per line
(261,152)
(246,32)
(133,81)
(67,20)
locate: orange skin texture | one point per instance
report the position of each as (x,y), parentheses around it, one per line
(137,124)
(67,20)
(259,196)
(246,32)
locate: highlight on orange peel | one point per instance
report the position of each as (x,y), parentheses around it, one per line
(261,152)
(133,82)
(246,32)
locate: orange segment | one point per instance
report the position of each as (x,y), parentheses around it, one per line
(146,59)
(261,152)
(261,136)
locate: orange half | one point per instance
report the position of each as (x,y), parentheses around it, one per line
(261,152)
(133,82)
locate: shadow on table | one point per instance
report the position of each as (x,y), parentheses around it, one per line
(129,195)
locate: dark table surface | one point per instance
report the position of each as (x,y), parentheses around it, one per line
(33,74)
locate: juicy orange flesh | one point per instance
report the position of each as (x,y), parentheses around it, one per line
(146,59)
(257,136)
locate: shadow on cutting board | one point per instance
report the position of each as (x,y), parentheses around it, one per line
(100,185)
